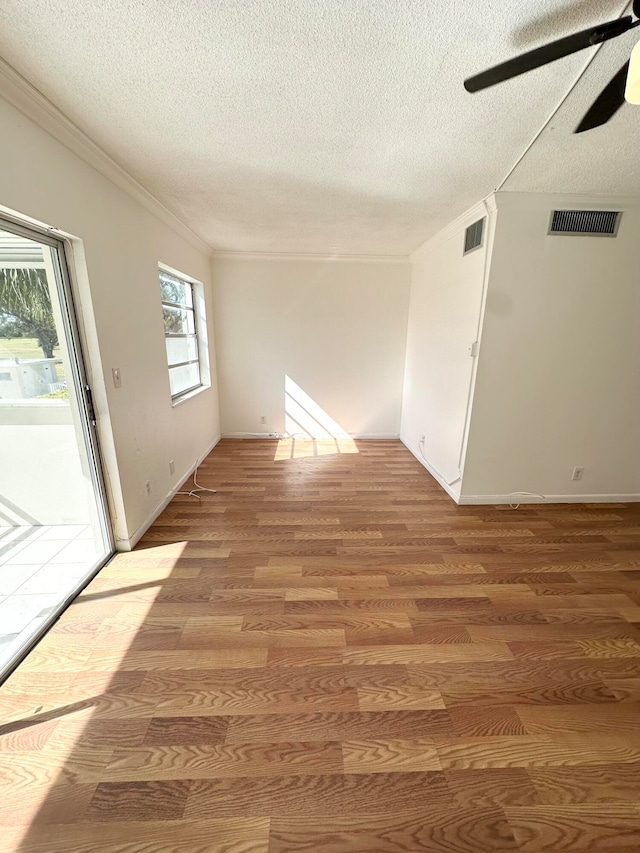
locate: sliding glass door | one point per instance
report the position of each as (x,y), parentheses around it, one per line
(54,531)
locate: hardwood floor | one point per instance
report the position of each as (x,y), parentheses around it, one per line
(329,655)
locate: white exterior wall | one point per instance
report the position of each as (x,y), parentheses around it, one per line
(41,476)
(26,379)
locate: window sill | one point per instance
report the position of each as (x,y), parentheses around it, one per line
(189,395)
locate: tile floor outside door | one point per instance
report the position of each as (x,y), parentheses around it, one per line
(39,567)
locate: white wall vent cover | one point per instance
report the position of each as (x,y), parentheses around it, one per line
(473,236)
(603,223)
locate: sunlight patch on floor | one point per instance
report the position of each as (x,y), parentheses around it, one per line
(311,430)
(59,716)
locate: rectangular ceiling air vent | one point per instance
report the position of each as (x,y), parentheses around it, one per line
(473,236)
(603,223)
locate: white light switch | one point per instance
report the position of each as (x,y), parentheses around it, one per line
(117,378)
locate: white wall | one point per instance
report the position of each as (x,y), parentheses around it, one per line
(116,261)
(444,314)
(337,328)
(42,479)
(558,377)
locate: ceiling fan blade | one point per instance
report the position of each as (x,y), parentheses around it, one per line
(548,53)
(608,102)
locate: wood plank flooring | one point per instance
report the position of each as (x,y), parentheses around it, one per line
(329,655)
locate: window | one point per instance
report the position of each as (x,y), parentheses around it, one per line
(179,301)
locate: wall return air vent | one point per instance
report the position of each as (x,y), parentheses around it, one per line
(473,236)
(590,223)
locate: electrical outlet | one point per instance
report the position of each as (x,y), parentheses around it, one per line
(578,471)
(172,466)
(147,486)
(263,419)
(117,377)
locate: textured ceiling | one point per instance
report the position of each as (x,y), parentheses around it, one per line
(603,161)
(320,125)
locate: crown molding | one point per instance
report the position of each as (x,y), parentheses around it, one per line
(482,208)
(22,95)
(223,254)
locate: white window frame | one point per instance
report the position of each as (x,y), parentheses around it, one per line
(201,336)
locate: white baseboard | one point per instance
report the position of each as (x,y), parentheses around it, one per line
(436,476)
(130,543)
(272,436)
(517,497)
(375,436)
(361,436)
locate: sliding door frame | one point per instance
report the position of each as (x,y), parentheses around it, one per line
(77,367)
